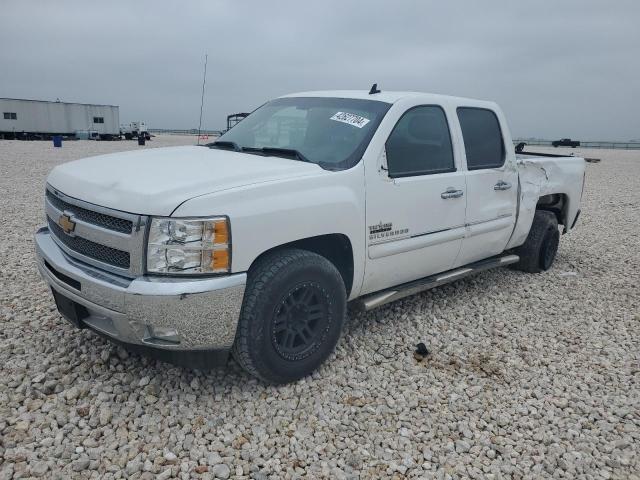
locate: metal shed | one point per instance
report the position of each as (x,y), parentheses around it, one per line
(39,118)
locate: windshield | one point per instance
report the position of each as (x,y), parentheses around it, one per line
(331,132)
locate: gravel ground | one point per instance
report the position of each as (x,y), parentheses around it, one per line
(529,376)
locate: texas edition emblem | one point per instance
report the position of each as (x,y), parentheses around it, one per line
(384,231)
(66,223)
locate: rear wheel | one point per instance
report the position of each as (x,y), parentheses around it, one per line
(538,252)
(292,315)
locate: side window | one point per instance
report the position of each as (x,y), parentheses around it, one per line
(420,144)
(10,116)
(98,119)
(483,142)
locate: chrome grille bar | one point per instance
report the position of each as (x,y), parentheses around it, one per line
(94,233)
(87,248)
(106,221)
(105,238)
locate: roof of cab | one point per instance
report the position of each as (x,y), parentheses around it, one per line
(384,96)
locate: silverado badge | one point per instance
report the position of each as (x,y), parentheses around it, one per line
(66,223)
(385,231)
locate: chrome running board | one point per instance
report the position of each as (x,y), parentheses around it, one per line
(373,300)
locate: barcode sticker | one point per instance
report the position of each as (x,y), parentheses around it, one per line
(351,119)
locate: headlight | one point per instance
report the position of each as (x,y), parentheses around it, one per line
(189,246)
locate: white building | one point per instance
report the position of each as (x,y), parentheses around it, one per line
(38,117)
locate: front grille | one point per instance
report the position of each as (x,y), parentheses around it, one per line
(101,253)
(89,216)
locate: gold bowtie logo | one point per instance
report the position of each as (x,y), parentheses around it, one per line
(66,223)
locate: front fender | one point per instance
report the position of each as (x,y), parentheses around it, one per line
(266,215)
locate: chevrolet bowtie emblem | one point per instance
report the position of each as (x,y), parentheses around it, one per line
(66,223)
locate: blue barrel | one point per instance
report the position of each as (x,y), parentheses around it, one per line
(57,141)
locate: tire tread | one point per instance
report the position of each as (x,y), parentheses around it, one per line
(259,276)
(529,251)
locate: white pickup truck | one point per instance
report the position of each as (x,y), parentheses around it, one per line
(255,243)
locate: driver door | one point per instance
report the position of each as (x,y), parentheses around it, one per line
(415,202)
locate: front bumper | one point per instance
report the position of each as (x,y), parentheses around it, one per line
(170,314)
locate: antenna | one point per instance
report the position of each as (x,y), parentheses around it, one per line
(204,81)
(374,89)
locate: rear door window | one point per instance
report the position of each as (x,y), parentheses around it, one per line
(483,141)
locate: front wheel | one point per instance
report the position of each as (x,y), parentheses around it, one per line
(292,315)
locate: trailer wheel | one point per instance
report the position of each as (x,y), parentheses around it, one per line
(538,252)
(292,315)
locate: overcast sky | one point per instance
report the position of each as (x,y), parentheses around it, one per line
(557,68)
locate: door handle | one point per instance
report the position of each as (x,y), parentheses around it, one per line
(451,193)
(502,185)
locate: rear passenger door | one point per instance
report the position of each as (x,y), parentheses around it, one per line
(492,185)
(415,204)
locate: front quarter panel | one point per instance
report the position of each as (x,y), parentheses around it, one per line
(267,215)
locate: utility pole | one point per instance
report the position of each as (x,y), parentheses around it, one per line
(204,81)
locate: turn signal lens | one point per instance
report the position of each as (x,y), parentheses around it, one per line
(221,232)
(220,260)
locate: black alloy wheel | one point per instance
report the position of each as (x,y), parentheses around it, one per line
(294,306)
(300,321)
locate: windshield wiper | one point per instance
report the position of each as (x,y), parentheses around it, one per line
(269,151)
(279,152)
(225,145)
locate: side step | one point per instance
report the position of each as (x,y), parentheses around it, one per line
(373,300)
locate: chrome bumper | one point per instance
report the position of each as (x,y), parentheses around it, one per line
(165,313)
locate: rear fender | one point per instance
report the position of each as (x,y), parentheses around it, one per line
(553,184)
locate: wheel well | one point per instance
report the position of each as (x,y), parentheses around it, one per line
(335,247)
(555,203)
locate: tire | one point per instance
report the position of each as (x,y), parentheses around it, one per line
(292,315)
(539,250)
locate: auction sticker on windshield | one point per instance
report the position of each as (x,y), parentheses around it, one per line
(351,119)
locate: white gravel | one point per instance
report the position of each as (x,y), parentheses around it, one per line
(529,376)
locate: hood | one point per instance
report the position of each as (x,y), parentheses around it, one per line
(157,180)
